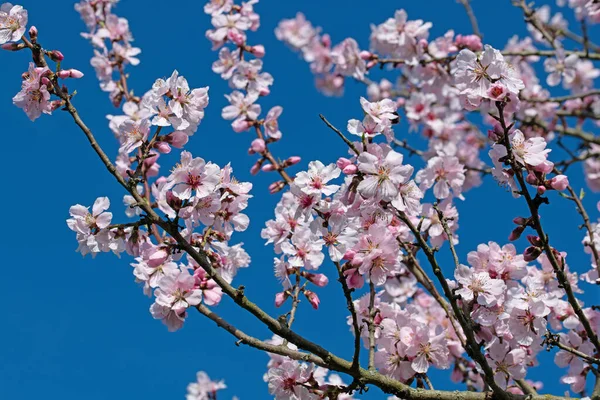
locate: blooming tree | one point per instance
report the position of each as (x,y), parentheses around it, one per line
(377,219)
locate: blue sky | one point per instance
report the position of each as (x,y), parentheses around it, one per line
(78,328)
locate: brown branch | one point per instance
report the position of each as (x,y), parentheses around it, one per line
(472,18)
(340,134)
(352,310)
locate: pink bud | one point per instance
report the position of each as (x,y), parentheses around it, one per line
(268,168)
(11,46)
(258,145)
(516,233)
(255,168)
(293,160)
(366,55)
(63,74)
(531,179)
(371,64)
(350,169)
(45,81)
(545,167)
(326,40)
(354,280)
(240,125)
(33,32)
(541,190)
(559,182)
(342,162)
(318,279)
(55,104)
(162,147)
(75,73)
(276,186)
(258,50)
(520,221)
(177,139)
(56,55)
(313,299)
(280,298)
(531,253)
(349,255)
(157,258)
(264,91)
(534,240)
(236,37)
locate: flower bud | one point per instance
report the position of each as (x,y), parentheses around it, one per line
(354,280)
(559,182)
(520,221)
(236,37)
(177,139)
(342,162)
(350,169)
(258,146)
(280,298)
(371,64)
(258,50)
(264,91)
(541,190)
(63,74)
(516,233)
(33,33)
(531,253)
(56,55)
(293,160)
(531,179)
(546,167)
(349,255)
(75,73)
(318,279)
(312,298)
(267,168)
(162,147)
(240,125)
(255,168)
(535,240)
(13,46)
(366,55)
(276,186)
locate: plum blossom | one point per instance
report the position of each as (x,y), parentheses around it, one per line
(203,388)
(13,22)
(34,97)
(443,173)
(479,286)
(348,62)
(384,173)
(530,151)
(314,181)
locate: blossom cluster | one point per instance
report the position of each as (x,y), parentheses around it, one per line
(241,65)
(113,49)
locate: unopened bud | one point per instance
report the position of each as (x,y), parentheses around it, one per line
(520,221)
(33,33)
(516,233)
(280,298)
(255,168)
(318,279)
(258,146)
(531,253)
(559,182)
(313,299)
(276,186)
(56,55)
(293,160)
(13,46)
(258,50)
(177,139)
(162,147)
(531,179)
(541,190)
(240,125)
(366,55)
(342,162)
(350,169)
(267,168)
(535,240)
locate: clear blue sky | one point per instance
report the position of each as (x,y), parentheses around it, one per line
(76,328)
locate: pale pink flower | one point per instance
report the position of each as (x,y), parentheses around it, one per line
(13,22)
(34,97)
(304,249)
(241,106)
(204,388)
(347,60)
(133,134)
(247,76)
(384,173)
(443,173)
(286,381)
(380,110)
(561,67)
(227,62)
(271,125)
(507,363)
(314,181)
(479,286)
(530,151)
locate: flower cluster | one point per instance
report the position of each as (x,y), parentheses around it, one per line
(248,81)
(113,51)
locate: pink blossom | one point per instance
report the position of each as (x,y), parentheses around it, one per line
(479,286)
(315,180)
(204,387)
(34,97)
(13,22)
(443,173)
(384,173)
